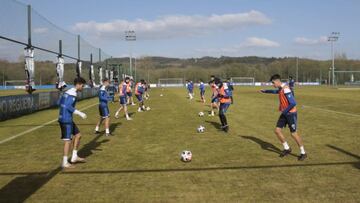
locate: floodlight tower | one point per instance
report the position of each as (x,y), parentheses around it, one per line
(334,36)
(130,36)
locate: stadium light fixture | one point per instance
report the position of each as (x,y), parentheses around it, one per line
(130,36)
(334,36)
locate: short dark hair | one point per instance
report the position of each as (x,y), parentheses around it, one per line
(105,79)
(127,78)
(142,81)
(275,77)
(79,80)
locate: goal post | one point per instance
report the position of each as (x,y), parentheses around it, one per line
(18,84)
(170,82)
(243,81)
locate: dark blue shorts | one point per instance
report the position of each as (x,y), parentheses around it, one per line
(139,97)
(224,107)
(215,100)
(129,94)
(68,130)
(190,91)
(104,111)
(290,120)
(123,100)
(202,92)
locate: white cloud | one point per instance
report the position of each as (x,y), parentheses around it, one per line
(307,41)
(249,43)
(259,42)
(40,30)
(173,25)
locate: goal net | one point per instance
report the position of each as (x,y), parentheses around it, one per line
(244,81)
(171,82)
(347,78)
(14,84)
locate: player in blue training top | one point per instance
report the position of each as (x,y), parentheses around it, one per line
(123,89)
(139,92)
(68,127)
(190,88)
(292,84)
(288,116)
(103,108)
(202,91)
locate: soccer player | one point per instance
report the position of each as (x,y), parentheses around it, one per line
(190,88)
(67,125)
(214,97)
(225,101)
(139,91)
(202,91)
(103,108)
(146,93)
(292,84)
(129,92)
(288,116)
(123,100)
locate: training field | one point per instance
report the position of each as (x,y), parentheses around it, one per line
(140,163)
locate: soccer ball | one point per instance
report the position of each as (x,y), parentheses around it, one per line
(148,108)
(201,114)
(161,95)
(201,129)
(186,156)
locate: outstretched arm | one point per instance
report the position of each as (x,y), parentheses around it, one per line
(270,91)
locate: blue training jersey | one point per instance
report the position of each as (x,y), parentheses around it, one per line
(190,86)
(202,86)
(67,106)
(291,83)
(103,97)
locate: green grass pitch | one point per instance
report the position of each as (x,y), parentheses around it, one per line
(140,163)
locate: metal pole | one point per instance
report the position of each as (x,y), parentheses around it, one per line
(29,25)
(297,69)
(333,63)
(135,69)
(78,38)
(60,47)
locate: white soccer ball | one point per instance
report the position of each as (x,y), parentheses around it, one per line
(201,129)
(148,108)
(161,95)
(186,156)
(201,114)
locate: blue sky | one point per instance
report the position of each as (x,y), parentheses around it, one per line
(195,28)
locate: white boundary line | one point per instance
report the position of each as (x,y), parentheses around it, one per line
(38,127)
(332,111)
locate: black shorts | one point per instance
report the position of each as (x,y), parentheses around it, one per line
(68,130)
(290,120)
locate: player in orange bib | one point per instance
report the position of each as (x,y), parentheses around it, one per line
(288,116)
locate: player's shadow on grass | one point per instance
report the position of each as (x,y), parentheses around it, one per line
(263,144)
(215,124)
(356,165)
(21,188)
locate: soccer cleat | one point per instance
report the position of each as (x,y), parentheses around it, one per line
(302,157)
(116,115)
(133,104)
(97,132)
(128,118)
(108,134)
(225,128)
(78,160)
(285,152)
(140,110)
(67,165)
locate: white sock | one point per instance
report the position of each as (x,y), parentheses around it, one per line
(302,150)
(286,146)
(97,128)
(107,131)
(65,160)
(127,116)
(74,155)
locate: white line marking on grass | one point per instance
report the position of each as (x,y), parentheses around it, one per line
(332,111)
(38,127)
